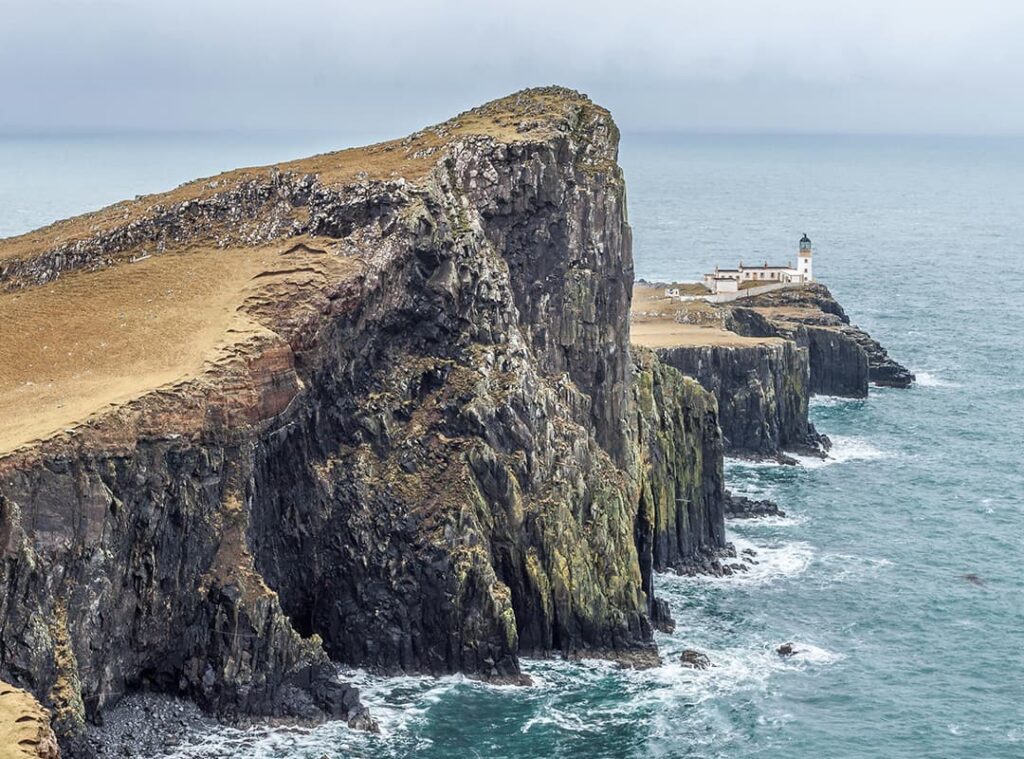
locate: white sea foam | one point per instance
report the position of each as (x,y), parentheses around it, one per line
(732,462)
(790,520)
(833,401)
(734,669)
(843,449)
(841,566)
(808,654)
(772,562)
(927,379)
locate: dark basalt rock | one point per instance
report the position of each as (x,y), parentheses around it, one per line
(439,462)
(843,357)
(762,393)
(694,659)
(438,465)
(679,520)
(741,507)
(786,649)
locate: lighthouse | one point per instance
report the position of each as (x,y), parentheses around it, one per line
(803,266)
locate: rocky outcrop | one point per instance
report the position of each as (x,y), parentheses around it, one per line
(426,455)
(843,357)
(838,365)
(420,444)
(25,731)
(762,392)
(740,507)
(679,522)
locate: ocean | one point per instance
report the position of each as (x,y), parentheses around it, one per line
(900,655)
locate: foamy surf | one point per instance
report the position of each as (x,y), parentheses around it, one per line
(834,401)
(753,524)
(769,563)
(841,566)
(844,449)
(927,379)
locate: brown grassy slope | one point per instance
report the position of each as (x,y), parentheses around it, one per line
(24,727)
(662,322)
(531,114)
(91,340)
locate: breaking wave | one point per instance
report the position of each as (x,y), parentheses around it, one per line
(926,379)
(843,449)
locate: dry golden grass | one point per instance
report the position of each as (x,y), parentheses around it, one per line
(512,119)
(788,312)
(652,301)
(664,333)
(23,724)
(655,322)
(91,340)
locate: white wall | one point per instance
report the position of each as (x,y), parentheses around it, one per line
(804,267)
(722,297)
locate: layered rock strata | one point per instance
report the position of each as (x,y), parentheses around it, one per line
(375,407)
(411,437)
(764,357)
(679,522)
(762,391)
(844,359)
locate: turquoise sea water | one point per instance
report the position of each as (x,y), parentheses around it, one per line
(922,240)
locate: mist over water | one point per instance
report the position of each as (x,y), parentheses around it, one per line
(922,241)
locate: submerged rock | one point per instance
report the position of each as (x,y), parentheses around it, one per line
(694,659)
(741,507)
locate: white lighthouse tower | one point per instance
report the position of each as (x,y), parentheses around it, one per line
(803,266)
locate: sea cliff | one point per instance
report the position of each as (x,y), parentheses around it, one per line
(763,357)
(388,417)
(375,407)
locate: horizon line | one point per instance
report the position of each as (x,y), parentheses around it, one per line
(51,133)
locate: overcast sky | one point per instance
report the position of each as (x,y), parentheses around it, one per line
(384,67)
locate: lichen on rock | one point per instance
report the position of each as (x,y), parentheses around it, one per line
(416,447)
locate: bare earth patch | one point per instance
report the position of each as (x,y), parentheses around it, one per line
(664,333)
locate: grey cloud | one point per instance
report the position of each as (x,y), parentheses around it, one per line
(387,67)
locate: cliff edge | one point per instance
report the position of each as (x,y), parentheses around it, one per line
(763,357)
(375,407)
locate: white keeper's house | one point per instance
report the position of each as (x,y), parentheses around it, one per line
(729,280)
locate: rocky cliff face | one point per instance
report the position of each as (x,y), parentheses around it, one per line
(762,392)
(679,522)
(843,357)
(425,451)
